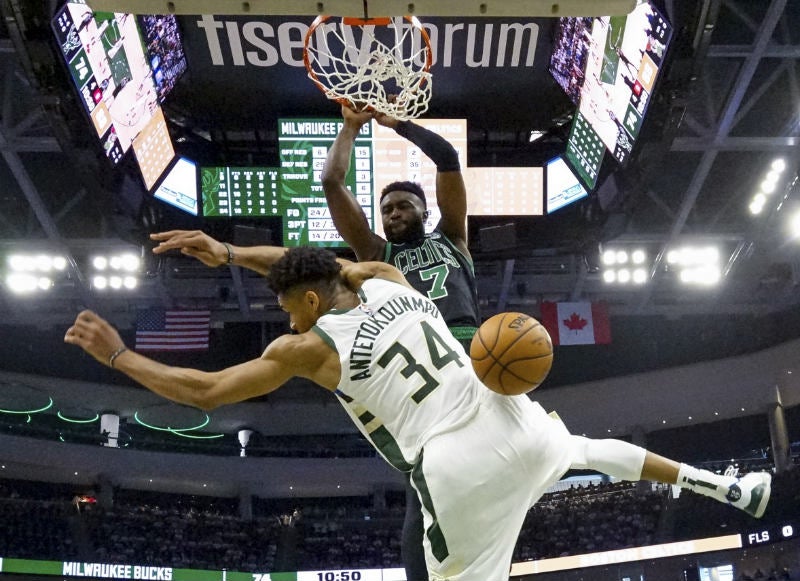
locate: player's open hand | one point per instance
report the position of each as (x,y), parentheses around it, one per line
(95,335)
(194,243)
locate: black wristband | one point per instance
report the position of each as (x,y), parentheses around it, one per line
(436,147)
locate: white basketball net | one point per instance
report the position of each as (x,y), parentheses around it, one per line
(351,64)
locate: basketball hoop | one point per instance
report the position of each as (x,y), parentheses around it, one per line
(379,64)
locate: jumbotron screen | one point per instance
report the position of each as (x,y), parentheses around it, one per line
(625,54)
(105,57)
(381,156)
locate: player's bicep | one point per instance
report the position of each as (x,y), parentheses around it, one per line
(352,224)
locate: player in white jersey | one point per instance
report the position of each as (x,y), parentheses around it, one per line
(478,460)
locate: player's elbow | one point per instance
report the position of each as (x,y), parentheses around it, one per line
(204,396)
(206,404)
(332,177)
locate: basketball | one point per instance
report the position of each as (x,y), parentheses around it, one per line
(512,353)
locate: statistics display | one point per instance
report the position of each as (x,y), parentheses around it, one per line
(103,52)
(303,145)
(585,150)
(504,191)
(243,192)
(397,159)
(380,157)
(153,149)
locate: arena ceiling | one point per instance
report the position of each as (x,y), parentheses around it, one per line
(726,106)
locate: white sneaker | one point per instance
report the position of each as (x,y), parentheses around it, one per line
(751,493)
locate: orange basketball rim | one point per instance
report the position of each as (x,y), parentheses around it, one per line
(381,64)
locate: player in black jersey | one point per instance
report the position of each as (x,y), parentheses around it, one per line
(438,264)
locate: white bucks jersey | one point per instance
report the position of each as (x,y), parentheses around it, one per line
(404,377)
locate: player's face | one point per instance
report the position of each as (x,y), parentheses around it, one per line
(302,306)
(403,216)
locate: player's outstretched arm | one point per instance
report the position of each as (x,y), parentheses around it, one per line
(212,252)
(451,193)
(205,390)
(347,215)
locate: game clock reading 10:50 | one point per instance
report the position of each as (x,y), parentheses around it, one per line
(340,575)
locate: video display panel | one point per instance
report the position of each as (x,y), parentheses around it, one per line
(562,185)
(105,57)
(179,186)
(625,55)
(165,51)
(571,48)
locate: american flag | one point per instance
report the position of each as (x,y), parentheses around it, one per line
(159,330)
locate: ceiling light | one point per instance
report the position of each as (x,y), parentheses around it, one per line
(778,164)
(639,276)
(638,256)
(673,256)
(755,207)
(609,276)
(21,282)
(794,224)
(130,262)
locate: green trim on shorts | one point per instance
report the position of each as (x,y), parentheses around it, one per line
(463,333)
(434,532)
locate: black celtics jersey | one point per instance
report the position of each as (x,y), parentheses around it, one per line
(437,269)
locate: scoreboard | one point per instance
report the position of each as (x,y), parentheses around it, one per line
(242,192)
(292,191)
(303,146)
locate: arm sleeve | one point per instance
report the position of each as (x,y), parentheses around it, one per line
(436,147)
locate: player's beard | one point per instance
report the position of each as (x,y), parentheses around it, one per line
(409,233)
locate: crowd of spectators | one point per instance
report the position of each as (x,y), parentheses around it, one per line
(40,521)
(34,521)
(588,519)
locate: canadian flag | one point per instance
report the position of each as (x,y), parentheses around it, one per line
(576,323)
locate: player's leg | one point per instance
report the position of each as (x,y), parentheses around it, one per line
(628,462)
(411,547)
(749,493)
(477,482)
